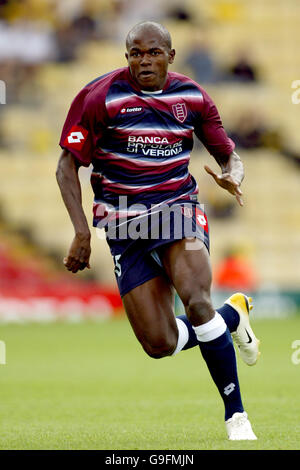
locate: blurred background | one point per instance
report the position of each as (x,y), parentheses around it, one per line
(243,52)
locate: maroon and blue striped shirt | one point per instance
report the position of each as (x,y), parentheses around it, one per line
(139,143)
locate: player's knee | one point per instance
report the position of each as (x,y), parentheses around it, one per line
(199,307)
(199,304)
(159,349)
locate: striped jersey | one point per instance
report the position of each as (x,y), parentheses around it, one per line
(139,142)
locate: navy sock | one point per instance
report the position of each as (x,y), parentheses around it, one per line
(192,341)
(219,356)
(230,316)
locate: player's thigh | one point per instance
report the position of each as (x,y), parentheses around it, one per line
(188,266)
(150,310)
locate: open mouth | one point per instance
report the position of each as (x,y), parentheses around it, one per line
(146,73)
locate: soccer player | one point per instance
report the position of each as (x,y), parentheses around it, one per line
(135,125)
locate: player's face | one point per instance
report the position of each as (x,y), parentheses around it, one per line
(148,59)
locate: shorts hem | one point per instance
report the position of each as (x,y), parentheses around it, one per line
(138,283)
(174,240)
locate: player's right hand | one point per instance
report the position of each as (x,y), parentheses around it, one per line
(79,254)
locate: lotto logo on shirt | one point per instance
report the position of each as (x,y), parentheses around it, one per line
(133,109)
(76,137)
(201,219)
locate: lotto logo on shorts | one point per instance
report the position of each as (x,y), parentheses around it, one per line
(201,219)
(76,137)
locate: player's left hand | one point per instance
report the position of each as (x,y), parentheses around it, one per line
(226,181)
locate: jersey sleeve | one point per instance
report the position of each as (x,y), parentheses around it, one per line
(210,131)
(82,127)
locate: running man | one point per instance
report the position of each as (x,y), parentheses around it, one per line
(135,125)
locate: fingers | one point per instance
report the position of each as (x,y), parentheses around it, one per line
(235,190)
(75,264)
(71,264)
(226,181)
(79,255)
(239,199)
(211,172)
(84,265)
(238,194)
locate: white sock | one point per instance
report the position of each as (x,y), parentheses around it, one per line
(183,335)
(211,330)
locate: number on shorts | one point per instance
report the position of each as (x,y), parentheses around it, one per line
(118,269)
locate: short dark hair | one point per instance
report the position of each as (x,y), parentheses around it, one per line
(164,33)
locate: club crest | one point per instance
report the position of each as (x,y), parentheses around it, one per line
(180,111)
(187,211)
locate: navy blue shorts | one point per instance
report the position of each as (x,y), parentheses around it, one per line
(136,248)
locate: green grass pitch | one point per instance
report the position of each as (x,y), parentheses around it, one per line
(90,386)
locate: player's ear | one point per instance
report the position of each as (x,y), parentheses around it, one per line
(126,55)
(172,56)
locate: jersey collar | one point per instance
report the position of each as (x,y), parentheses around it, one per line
(136,87)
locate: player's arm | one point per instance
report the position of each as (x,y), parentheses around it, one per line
(210,131)
(70,188)
(232,175)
